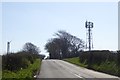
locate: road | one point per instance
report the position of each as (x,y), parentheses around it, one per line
(62,69)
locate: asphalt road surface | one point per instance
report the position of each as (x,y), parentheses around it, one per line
(62,69)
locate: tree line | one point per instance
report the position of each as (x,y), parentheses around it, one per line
(22,59)
(64,45)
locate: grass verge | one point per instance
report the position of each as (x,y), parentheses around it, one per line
(106,67)
(75,61)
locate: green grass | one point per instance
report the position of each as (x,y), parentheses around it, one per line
(23,74)
(106,67)
(75,61)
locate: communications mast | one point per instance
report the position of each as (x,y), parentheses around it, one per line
(89,38)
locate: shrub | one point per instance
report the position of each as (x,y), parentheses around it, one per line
(104,61)
(16,61)
(23,74)
(97,57)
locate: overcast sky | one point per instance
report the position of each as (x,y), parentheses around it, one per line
(37,23)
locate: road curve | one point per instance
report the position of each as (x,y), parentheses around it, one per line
(61,69)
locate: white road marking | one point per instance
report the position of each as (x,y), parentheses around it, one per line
(78,75)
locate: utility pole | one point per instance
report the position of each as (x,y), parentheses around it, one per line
(8,47)
(8,51)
